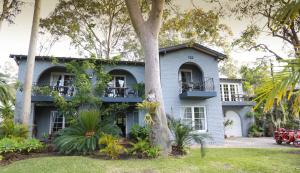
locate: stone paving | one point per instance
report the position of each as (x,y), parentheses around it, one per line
(242,142)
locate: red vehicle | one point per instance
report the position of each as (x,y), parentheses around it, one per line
(287,136)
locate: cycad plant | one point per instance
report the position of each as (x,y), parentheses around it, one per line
(184,136)
(82,137)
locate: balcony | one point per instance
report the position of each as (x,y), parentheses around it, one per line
(197,90)
(42,92)
(121,88)
(237,100)
(121,94)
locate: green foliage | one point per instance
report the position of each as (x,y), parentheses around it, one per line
(6,111)
(193,26)
(9,129)
(255,131)
(281,87)
(19,145)
(140,88)
(42,90)
(255,76)
(85,22)
(143,149)
(139,133)
(184,135)
(6,90)
(150,108)
(228,123)
(111,147)
(81,137)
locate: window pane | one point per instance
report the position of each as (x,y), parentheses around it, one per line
(226,92)
(199,124)
(188,112)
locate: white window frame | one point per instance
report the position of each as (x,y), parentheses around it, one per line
(114,80)
(236,89)
(185,70)
(62,76)
(193,117)
(50,122)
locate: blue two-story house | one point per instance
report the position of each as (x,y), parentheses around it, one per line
(192,91)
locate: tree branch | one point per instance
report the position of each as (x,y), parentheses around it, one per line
(154,20)
(136,16)
(265,47)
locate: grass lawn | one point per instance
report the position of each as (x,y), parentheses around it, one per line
(217,160)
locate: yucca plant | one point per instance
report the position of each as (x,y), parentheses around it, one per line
(184,135)
(82,137)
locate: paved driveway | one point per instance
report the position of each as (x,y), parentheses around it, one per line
(263,142)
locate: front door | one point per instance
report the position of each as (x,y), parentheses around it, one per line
(121,122)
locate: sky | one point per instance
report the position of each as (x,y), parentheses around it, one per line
(14,38)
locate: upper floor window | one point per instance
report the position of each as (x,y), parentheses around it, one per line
(63,83)
(195,116)
(229,92)
(57,122)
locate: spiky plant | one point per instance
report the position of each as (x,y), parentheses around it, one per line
(184,136)
(82,137)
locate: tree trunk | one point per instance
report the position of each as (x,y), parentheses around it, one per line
(147,32)
(159,131)
(30,64)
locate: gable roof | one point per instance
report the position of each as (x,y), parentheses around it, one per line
(195,46)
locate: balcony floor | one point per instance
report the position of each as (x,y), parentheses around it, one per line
(198,94)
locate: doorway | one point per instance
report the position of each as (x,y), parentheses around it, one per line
(121,123)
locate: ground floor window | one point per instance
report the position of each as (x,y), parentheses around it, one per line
(194,116)
(57,122)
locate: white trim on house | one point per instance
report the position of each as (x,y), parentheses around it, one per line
(193,116)
(230,93)
(55,113)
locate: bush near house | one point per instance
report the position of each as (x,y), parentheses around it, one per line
(255,131)
(143,149)
(9,129)
(139,132)
(19,145)
(111,147)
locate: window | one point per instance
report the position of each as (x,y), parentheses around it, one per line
(229,92)
(194,116)
(136,117)
(63,83)
(57,122)
(226,92)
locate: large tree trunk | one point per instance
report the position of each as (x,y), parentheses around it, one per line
(159,131)
(147,32)
(30,64)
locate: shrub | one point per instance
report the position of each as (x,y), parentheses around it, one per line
(138,132)
(255,131)
(184,135)
(9,129)
(143,149)
(81,137)
(111,147)
(19,145)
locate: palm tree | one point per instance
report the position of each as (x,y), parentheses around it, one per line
(283,85)
(6,95)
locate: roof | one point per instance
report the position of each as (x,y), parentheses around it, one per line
(17,58)
(195,46)
(164,50)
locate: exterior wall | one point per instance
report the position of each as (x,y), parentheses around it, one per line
(42,120)
(130,79)
(242,112)
(171,88)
